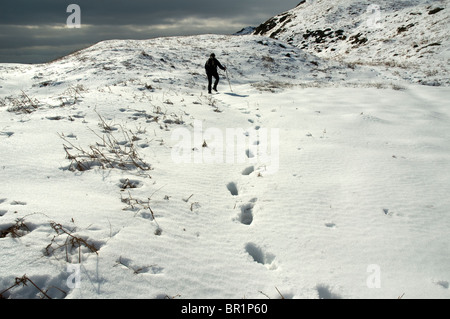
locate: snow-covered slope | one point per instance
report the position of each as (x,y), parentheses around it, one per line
(303,178)
(410,38)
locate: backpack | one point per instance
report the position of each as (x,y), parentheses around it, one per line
(210,65)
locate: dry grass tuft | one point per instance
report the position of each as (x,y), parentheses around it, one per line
(107,153)
(17,230)
(24,280)
(66,241)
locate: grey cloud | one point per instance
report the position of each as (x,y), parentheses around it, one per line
(30,28)
(119,12)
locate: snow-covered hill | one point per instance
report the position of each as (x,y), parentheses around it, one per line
(303,178)
(410,38)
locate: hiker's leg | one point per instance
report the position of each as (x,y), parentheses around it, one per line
(209,82)
(216,76)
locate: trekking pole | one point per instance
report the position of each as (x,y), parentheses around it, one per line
(228,78)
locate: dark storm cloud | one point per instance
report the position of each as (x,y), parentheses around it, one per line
(39,25)
(134,11)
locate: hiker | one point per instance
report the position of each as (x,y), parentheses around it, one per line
(211,71)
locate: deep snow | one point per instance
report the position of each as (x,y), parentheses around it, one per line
(338,187)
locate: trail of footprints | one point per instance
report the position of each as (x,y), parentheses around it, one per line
(246,216)
(246,213)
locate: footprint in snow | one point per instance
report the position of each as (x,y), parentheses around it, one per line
(55,118)
(232,188)
(330,225)
(442,283)
(325,292)
(128,263)
(7,134)
(249,153)
(129,183)
(261,256)
(246,215)
(16,202)
(247,171)
(71,135)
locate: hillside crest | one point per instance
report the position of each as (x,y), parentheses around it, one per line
(409,37)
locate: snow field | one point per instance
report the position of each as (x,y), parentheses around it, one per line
(359,192)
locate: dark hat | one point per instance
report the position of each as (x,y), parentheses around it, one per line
(212,55)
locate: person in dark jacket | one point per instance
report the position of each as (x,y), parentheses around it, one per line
(211,71)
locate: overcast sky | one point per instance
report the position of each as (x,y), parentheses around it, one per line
(35,31)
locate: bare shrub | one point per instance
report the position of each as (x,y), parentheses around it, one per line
(19,229)
(106,153)
(65,241)
(24,280)
(23,104)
